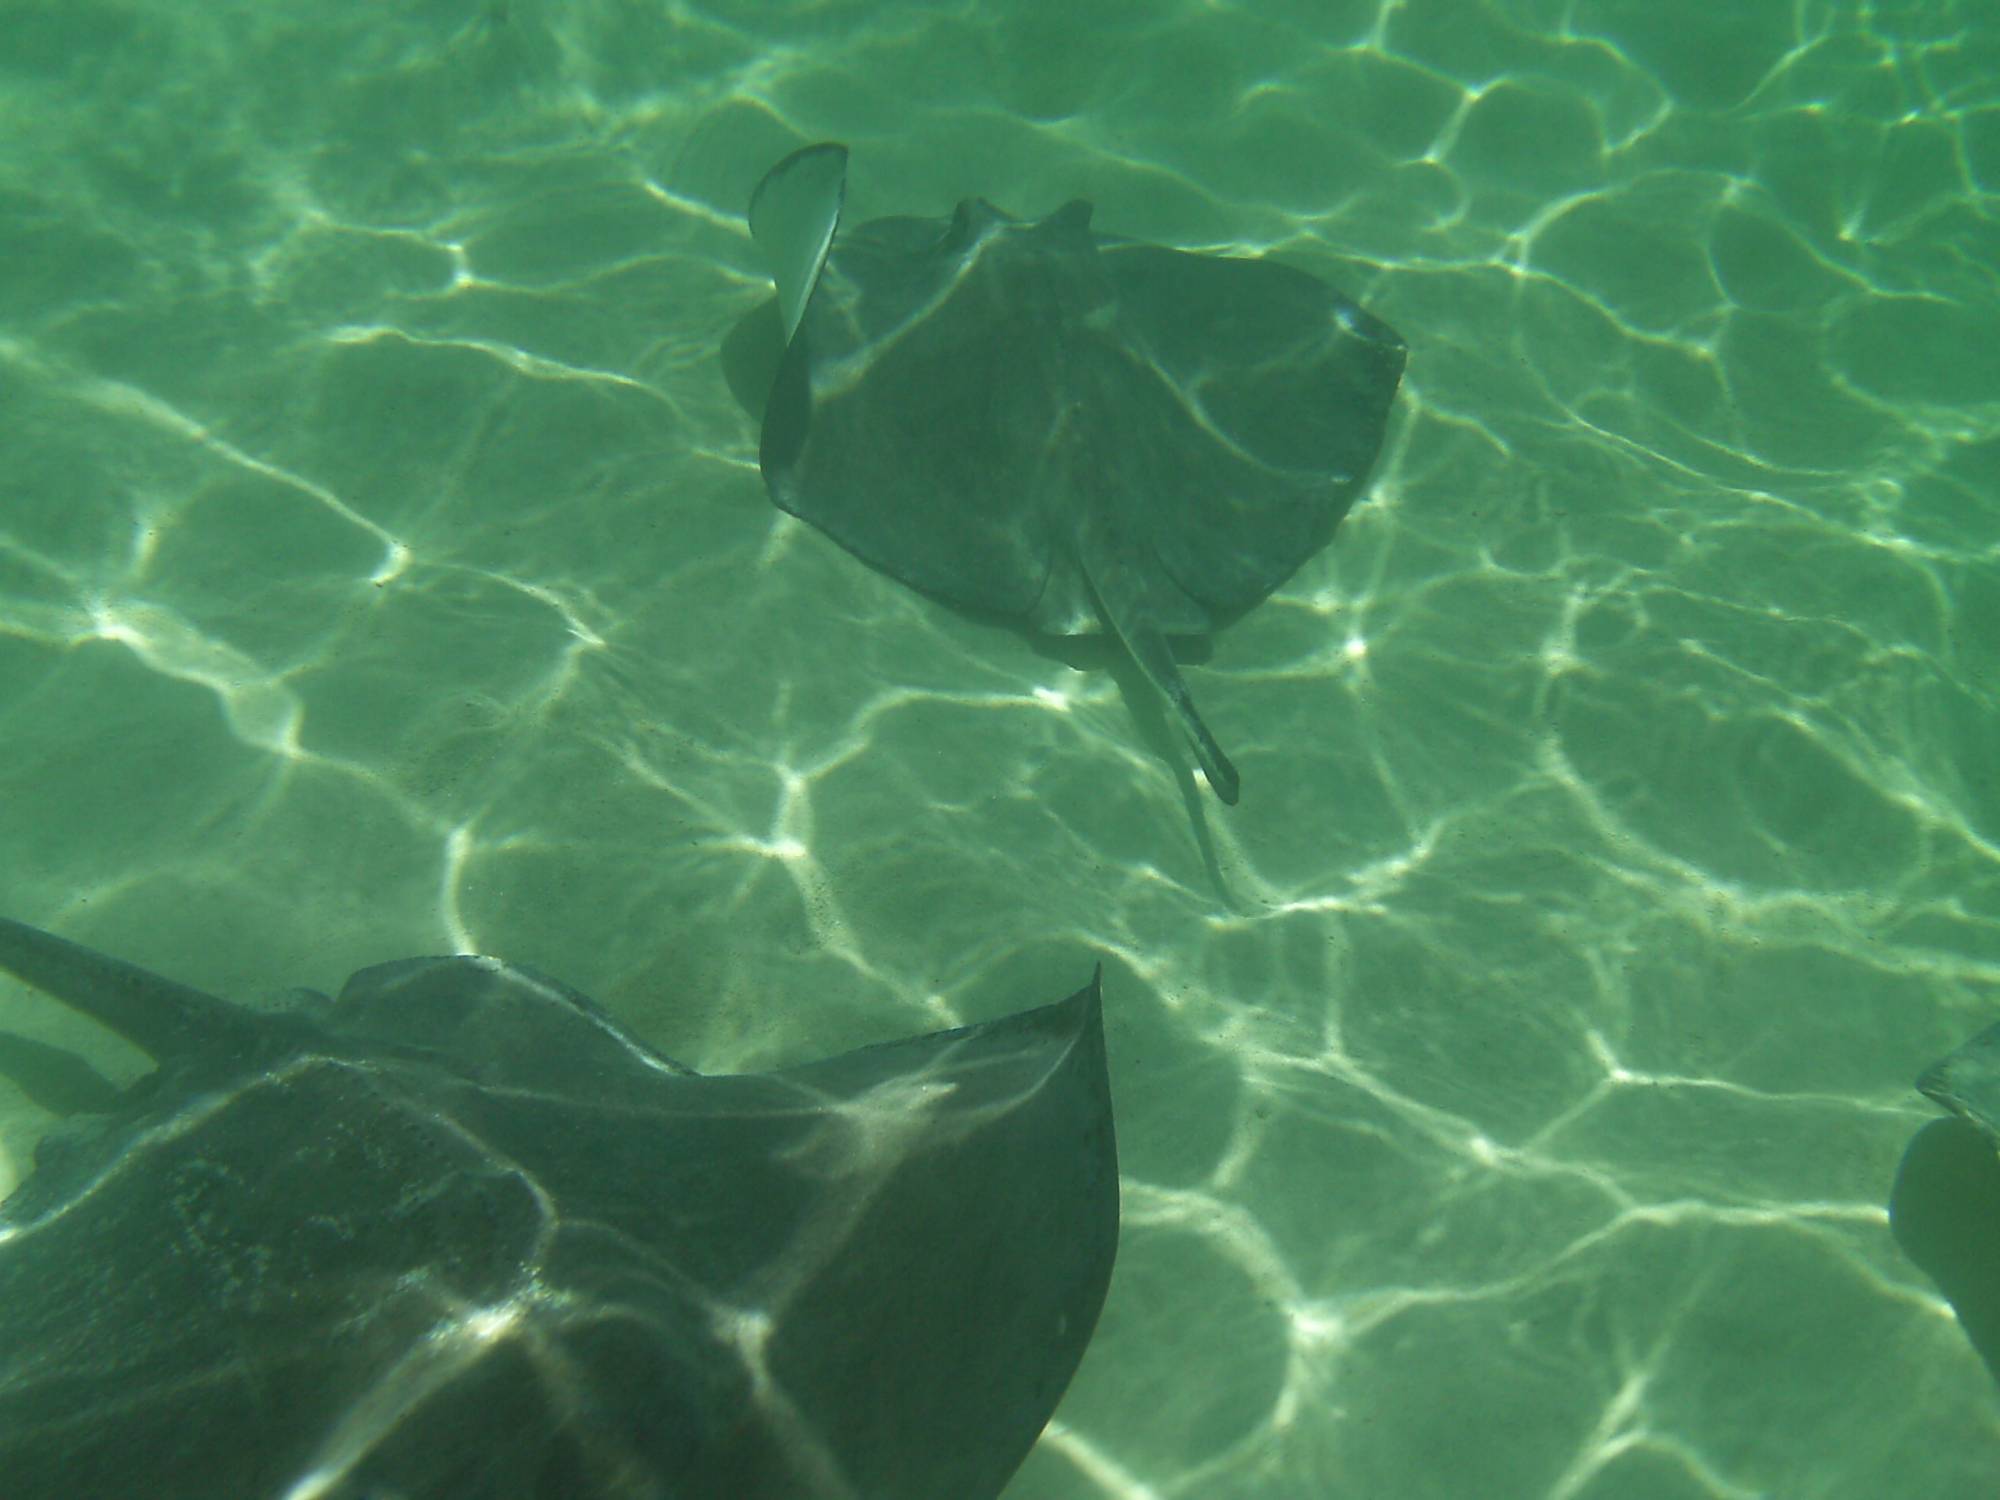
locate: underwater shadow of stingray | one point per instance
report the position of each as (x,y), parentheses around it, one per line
(456,1233)
(1068,431)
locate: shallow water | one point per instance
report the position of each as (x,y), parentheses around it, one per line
(1509,1089)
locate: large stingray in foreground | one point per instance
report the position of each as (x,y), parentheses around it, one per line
(457,1235)
(1039,422)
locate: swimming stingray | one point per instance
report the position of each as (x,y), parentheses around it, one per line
(1945,1207)
(1042,423)
(458,1235)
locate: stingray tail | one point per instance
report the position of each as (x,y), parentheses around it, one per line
(161,1017)
(1122,612)
(1156,659)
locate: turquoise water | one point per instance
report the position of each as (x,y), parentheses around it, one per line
(1509,1089)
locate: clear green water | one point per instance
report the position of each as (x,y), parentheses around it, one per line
(1509,1095)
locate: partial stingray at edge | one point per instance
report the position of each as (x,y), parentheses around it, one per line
(1041,423)
(457,1234)
(1944,1208)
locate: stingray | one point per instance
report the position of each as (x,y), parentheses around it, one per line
(1945,1207)
(1040,423)
(458,1234)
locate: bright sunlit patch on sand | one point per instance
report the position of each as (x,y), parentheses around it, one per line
(396,558)
(459,847)
(1614,1070)
(1314,1326)
(490,1323)
(262,710)
(744,1328)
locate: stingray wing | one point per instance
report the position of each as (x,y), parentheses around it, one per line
(976,1245)
(913,413)
(349,1265)
(1268,407)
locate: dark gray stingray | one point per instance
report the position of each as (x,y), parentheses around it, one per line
(1038,422)
(1945,1206)
(457,1235)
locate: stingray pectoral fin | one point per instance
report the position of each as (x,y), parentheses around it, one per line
(1944,1212)
(161,1017)
(793,214)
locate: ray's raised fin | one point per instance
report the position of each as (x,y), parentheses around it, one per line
(793,215)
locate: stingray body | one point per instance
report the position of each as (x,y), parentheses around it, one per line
(1034,421)
(457,1235)
(1945,1207)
